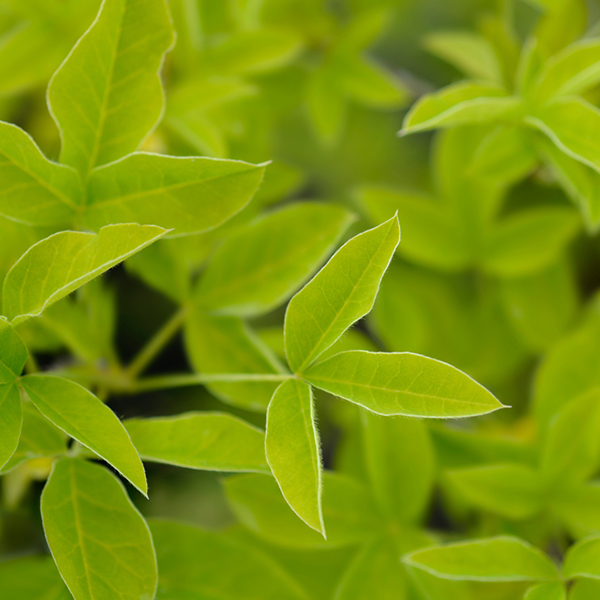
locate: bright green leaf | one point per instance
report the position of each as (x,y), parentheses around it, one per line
(293,450)
(200,440)
(81,415)
(583,559)
(13,353)
(546,591)
(100,542)
(107,96)
(326,105)
(342,292)
(11,420)
(402,383)
(58,265)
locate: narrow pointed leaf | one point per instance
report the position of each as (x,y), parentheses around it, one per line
(342,292)
(207,441)
(35,191)
(402,383)
(187,195)
(546,591)
(107,95)
(501,558)
(11,420)
(59,264)
(294,450)
(13,353)
(259,267)
(85,418)
(583,559)
(100,542)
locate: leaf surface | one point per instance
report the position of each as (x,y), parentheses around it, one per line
(13,353)
(11,420)
(546,591)
(32,578)
(583,559)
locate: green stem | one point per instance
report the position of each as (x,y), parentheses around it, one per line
(150,351)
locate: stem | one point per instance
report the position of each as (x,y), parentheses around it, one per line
(162,337)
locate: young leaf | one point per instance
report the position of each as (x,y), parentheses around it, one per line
(227,345)
(348,510)
(58,265)
(13,353)
(374,573)
(546,591)
(207,441)
(11,420)
(81,415)
(513,491)
(259,267)
(35,190)
(342,292)
(204,564)
(583,559)
(107,95)
(402,383)
(32,578)
(293,450)
(188,195)
(460,104)
(501,558)
(100,542)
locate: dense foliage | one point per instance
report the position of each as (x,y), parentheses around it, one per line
(253,345)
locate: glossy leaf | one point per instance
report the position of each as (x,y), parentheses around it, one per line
(200,440)
(11,420)
(583,559)
(293,450)
(13,353)
(501,558)
(342,292)
(402,383)
(58,265)
(36,191)
(107,96)
(85,418)
(188,195)
(100,542)
(259,267)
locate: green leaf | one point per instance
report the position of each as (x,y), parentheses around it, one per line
(260,266)
(583,559)
(196,564)
(200,440)
(585,589)
(469,52)
(32,578)
(502,558)
(59,264)
(107,96)
(431,235)
(326,105)
(188,195)
(546,591)
(510,490)
(374,573)
(460,104)
(342,292)
(577,507)
(13,353)
(100,542)
(574,126)
(227,345)
(81,415)
(293,450)
(39,439)
(11,420)
(529,240)
(402,383)
(571,72)
(571,452)
(348,511)
(35,190)
(399,459)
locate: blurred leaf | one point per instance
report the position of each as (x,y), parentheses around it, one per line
(577,507)
(546,591)
(583,559)
(585,589)
(85,418)
(207,441)
(326,105)
(293,451)
(32,578)
(11,420)
(342,292)
(97,537)
(13,353)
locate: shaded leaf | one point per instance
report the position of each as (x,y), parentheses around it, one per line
(11,420)
(32,578)
(13,353)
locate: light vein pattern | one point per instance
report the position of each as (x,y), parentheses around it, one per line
(294,450)
(58,265)
(107,96)
(402,383)
(342,292)
(101,544)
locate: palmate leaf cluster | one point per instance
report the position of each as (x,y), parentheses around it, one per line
(326,316)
